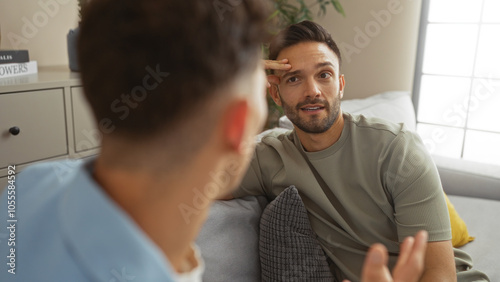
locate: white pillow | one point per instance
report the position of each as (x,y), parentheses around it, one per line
(394,106)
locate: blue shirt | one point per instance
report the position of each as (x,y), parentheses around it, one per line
(68,229)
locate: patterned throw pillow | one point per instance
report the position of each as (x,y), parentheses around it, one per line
(289,249)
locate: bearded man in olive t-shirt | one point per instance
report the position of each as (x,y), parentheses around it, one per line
(385,185)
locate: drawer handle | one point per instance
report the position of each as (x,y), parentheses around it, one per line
(14,130)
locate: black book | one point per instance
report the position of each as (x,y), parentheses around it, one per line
(14,56)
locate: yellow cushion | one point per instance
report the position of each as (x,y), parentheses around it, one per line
(459,234)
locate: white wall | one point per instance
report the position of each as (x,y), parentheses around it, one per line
(40,26)
(386,60)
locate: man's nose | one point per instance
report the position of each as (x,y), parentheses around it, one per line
(312,88)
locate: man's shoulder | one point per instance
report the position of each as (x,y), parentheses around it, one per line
(47,177)
(49,169)
(37,193)
(34,206)
(377,127)
(37,189)
(56,206)
(361,122)
(274,133)
(273,149)
(274,138)
(382,136)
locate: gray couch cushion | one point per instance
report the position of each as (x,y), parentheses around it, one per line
(229,240)
(289,249)
(482,219)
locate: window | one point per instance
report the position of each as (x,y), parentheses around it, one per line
(457,79)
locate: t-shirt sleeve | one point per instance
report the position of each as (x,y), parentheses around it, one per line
(252,183)
(413,182)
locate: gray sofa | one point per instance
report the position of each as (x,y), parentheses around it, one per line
(229,239)
(474,190)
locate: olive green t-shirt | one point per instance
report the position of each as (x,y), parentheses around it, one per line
(386,184)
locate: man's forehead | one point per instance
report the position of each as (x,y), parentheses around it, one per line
(308,55)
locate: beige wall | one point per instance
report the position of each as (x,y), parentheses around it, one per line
(40,26)
(385,61)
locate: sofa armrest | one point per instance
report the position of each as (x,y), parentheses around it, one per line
(470,179)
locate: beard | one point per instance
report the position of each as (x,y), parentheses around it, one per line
(314,124)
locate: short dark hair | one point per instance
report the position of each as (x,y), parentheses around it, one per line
(305,31)
(148,64)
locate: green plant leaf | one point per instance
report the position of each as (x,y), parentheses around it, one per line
(273,15)
(338,7)
(322,10)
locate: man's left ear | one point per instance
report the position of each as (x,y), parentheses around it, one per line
(235,124)
(341,85)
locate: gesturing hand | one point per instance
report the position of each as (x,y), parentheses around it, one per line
(275,65)
(409,266)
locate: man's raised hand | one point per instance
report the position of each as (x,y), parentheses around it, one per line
(275,65)
(408,268)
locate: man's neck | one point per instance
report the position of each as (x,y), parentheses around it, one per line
(165,207)
(318,142)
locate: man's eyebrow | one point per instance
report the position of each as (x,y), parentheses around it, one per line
(290,73)
(295,72)
(325,64)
